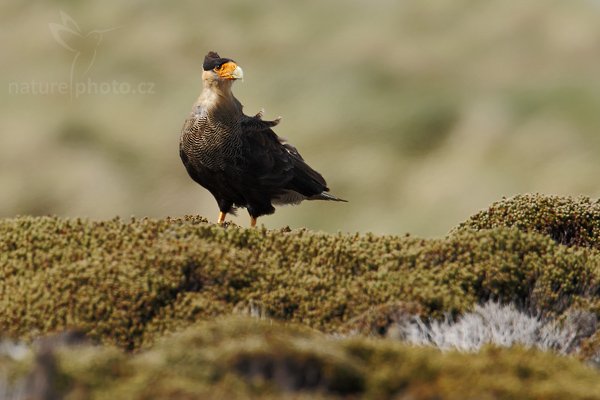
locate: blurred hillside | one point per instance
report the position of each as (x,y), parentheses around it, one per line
(417,113)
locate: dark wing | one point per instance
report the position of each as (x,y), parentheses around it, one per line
(275,164)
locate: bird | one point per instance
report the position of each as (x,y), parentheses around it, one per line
(238,158)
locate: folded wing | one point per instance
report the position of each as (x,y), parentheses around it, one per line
(278,166)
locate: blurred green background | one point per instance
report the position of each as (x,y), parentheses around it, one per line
(419,113)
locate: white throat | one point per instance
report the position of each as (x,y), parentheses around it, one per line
(214,92)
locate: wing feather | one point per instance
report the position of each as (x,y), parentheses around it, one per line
(277,164)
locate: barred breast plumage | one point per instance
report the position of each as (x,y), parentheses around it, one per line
(210,142)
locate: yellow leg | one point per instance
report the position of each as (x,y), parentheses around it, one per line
(221,220)
(252,222)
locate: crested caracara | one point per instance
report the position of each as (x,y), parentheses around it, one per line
(239,158)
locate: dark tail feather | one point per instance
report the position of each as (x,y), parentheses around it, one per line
(326,196)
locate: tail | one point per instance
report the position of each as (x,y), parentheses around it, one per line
(326,196)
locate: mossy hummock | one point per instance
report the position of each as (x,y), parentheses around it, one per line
(131,283)
(127,282)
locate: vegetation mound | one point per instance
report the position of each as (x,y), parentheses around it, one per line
(569,221)
(128,282)
(240,358)
(128,285)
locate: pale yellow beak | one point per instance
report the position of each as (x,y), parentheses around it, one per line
(238,73)
(230,70)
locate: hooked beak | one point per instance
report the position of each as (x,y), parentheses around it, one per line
(231,71)
(238,73)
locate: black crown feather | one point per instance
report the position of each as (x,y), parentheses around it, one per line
(213,60)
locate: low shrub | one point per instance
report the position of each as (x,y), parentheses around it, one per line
(567,220)
(240,358)
(127,283)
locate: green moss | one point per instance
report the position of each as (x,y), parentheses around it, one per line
(242,358)
(569,221)
(234,357)
(127,283)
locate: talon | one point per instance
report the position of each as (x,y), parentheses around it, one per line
(221,219)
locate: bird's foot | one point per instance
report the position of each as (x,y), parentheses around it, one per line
(221,219)
(252,222)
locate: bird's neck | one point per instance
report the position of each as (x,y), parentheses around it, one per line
(215,95)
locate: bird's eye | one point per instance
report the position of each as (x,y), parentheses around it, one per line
(218,67)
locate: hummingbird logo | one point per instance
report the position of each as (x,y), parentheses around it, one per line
(83,45)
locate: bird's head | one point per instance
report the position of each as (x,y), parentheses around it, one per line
(218,69)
